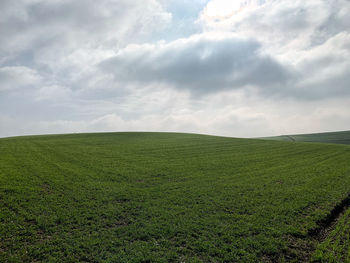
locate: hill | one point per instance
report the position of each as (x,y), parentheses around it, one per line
(166,197)
(342,137)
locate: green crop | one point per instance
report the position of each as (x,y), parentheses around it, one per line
(336,246)
(342,137)
(164,197)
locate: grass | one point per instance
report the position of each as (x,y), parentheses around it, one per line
(342,137)
(164,197)
(336,246)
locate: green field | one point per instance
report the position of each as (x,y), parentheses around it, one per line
(342,137)
(336,245)
(166,197)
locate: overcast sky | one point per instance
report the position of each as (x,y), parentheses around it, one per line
(239,68)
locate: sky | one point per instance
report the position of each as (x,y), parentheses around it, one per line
(241,68)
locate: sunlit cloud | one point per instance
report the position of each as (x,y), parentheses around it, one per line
(219,10)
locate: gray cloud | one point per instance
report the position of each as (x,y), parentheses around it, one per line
(31,25)
(202,64)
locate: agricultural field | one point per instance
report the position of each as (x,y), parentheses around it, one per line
(167,197)
(342,137)
(336,244)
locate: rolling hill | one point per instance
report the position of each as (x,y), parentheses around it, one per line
(168,197)
(342,137)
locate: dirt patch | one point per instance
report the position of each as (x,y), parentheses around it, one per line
(119,223)
(46,189)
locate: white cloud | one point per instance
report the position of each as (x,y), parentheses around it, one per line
(237,115)
(12,78)
(284,27)
(52,93)
(219,10)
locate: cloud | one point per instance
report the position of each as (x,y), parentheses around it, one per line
(219,10)
(64,39)
(31,25)
(248,68)
(309,37)
(283,25)
(202,64)
(53,93)
(326,69)
(286,30)
(53,46)
(237,115)
(13,78)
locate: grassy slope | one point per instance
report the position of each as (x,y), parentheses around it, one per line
(335,247)
(132,197)
(342,137)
